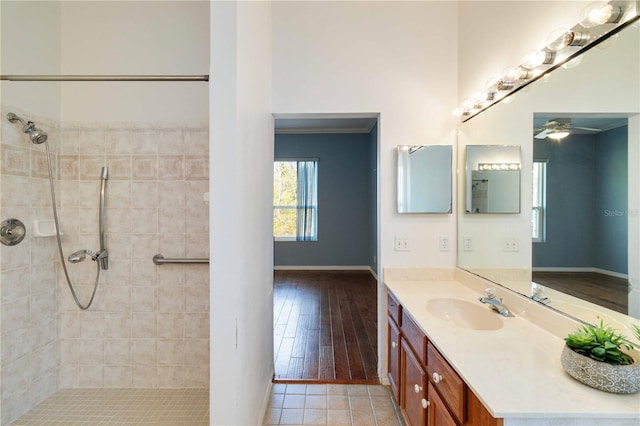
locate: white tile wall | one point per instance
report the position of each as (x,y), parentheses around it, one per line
(149,325)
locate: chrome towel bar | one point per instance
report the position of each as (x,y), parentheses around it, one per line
(159,259)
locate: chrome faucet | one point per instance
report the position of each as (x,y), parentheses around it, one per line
(495,302)
(538,294)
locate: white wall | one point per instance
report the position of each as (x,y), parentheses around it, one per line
(495,35)
(241,221)
(355,57)
(391,58)
(29,48)
(134,37)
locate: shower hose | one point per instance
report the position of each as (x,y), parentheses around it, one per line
(59,240)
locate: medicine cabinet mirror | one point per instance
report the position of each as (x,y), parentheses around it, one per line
(492,179)
(424,178)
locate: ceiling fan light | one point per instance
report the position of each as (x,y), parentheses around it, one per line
(557,135)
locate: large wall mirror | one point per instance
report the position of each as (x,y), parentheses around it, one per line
(424,178)
(580,203)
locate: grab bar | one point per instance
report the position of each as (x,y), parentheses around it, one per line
(159,259)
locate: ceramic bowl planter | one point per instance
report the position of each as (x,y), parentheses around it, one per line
(601,375)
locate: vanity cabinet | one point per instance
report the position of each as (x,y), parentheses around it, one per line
(428,390)
(413,398)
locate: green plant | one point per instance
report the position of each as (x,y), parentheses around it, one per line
(600,343)
(636,330)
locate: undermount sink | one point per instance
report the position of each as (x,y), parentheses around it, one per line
(464,314)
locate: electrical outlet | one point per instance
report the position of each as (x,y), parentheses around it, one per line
(444,244)
(511,244)
(467,243)
(401,243)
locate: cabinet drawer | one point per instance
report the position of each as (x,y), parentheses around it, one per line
(447,382)
(415,337)
(394,308)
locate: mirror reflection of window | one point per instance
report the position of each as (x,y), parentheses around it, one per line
(539,206)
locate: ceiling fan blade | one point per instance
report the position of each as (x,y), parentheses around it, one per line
(542,134)
(589,129)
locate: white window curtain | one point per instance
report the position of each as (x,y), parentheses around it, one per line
(307,201)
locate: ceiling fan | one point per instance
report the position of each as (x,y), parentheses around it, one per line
(559,128)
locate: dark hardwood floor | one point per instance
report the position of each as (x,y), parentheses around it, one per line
(325,327)
(604,290)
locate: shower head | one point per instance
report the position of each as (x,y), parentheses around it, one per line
(77,256)
(36,135)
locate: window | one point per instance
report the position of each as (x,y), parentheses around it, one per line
(295,200)
(539,216)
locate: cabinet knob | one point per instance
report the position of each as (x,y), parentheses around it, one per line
(394,345)
(437,378)
(425,403)
(417,388)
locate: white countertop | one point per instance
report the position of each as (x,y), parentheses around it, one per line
(515,371)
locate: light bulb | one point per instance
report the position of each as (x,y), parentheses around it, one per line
(534,59)
(599,13)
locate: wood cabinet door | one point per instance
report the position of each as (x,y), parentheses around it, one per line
(414,388)
(438,413)
(393,357)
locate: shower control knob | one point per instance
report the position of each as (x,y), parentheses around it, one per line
(12,232)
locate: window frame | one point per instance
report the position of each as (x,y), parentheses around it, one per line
(539,211)
(294,238)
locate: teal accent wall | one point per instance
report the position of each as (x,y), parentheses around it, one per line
(586,202)
(346,219)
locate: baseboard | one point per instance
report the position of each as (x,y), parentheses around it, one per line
(576,269)
(265,402)
(322,268)
(326,268)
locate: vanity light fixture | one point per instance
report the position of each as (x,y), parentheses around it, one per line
(498,166)
(598,21)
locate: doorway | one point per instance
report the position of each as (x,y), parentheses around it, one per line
(325,280)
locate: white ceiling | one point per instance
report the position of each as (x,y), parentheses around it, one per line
(324,124)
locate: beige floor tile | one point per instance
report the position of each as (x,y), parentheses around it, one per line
(337,402)
(296,389)
(272,417)
(276,400)
(315,401)
(316,389)
(291,416)
(336,390)
(360,403)
(358,390)
(278,388)
(338,417)
(313,416)
(293,401)
(362,418)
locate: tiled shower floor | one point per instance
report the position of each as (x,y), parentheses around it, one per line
(292,404)
(121,407)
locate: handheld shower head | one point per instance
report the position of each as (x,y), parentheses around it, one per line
(77,256)
(36,135)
